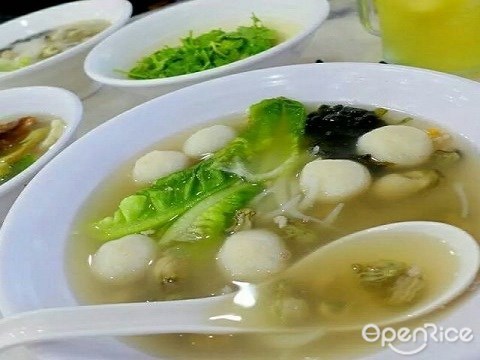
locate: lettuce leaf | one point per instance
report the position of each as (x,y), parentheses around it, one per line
(273,136)
(210,218)
(162,202)
(273,140)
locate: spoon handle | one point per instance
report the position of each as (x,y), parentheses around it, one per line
(184,316)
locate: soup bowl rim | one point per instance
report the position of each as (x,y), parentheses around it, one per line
(123,12)
(405,89)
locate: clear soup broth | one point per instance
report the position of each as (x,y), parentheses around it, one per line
(343,290)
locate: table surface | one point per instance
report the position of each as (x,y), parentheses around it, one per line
(340,39)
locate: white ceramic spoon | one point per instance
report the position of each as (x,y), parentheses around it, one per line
(197,315)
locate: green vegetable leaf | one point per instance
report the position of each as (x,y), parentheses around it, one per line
(206,51)
(166,199)
(17,167)
(211,217)
(14,64)
(270,144)
(272,122)
(393,281)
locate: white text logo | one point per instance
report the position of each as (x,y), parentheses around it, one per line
(419,337)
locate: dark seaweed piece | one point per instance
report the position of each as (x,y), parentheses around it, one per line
(334,130)
(370,162)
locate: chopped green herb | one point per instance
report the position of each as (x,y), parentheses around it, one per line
(380,111)
(300,232)
(379,273)
(243,220)
(394,281)
(405,120)
(207,51)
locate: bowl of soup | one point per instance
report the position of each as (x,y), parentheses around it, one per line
(171,206)
(36,124)
(47,47)
(194,41)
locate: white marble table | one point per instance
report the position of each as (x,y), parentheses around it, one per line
(341,38)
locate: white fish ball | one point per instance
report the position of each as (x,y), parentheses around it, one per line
(157,164)
(332,181)
(253,255)
(208,140)
(124,260)
(402,185)
(397,144)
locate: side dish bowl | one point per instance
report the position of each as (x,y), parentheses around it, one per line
(64,69)
(38,101)
(34,238)
(296,25)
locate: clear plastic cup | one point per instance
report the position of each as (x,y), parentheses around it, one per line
(442,35)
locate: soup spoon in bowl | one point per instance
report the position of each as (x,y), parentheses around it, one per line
(202,315)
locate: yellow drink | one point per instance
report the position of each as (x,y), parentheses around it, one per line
(442,35)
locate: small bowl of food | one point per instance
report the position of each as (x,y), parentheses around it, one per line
(274,164)
(36,124)
(195,41)
(47,47)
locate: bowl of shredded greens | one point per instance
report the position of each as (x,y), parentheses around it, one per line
(42,47)
(195,41)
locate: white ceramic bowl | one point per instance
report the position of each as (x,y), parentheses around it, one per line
(37,100)
(32,242)
(297,23)
(64,69)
